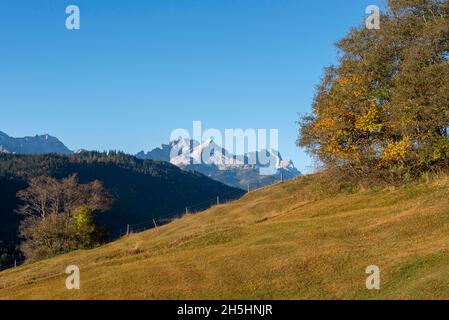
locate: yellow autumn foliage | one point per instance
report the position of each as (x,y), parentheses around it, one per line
(396,151)
(353,83)
(325,123)
(344,151)
(82,217)
(346,80)
(370,122)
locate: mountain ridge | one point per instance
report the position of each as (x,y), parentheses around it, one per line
(247,171)
(38,144)
(240,171)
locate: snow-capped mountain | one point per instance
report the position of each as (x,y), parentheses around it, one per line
(163,153)
(250,170)
(254,169)
(38,144)
(266,158)
(185,153)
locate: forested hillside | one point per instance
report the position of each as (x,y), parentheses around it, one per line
(142,189)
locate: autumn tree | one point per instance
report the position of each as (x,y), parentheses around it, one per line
(59,215)
(385,107)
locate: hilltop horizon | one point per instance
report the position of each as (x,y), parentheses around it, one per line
(249,170)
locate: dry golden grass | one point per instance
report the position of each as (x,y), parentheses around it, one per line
(289,241)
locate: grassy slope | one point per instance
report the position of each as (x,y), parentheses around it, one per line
(289,241)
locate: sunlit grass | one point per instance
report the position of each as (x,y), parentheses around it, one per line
(290,241)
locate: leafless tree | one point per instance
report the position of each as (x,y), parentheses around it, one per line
(52,210)
(45,196)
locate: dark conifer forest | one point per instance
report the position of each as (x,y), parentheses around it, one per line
(142,189)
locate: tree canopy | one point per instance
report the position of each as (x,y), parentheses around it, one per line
(385,107)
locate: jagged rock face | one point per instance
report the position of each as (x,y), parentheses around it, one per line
(32,145)
(217,163)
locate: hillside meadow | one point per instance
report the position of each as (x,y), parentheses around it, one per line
(295,240)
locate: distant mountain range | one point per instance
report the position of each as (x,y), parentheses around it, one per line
(243,171)
(32,145)
(248,170)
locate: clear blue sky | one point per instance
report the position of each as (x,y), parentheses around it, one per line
(139,69)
